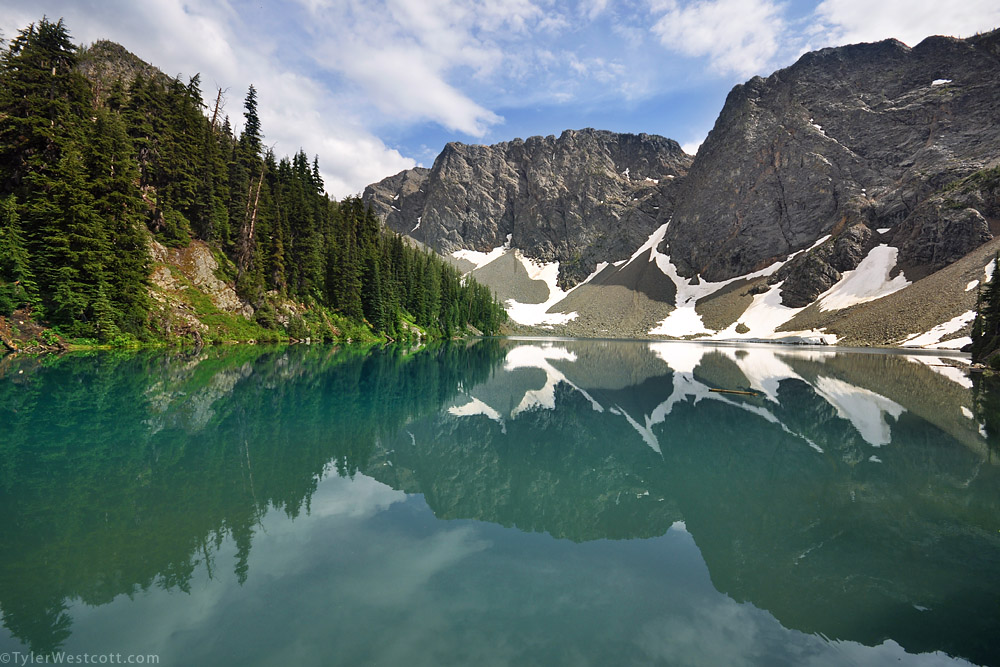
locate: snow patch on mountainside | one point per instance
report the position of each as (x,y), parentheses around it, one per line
(933,337)
(685,321)
(531,314)
(868,282)
(481,259)
(534,313)
(766,314)
(763,316)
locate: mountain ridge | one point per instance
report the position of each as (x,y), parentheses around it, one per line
(877,161)
(538,191)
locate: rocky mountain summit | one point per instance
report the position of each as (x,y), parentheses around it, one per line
(578,199)
(861,134)
(853,196)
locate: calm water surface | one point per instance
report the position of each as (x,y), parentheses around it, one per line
(498,503)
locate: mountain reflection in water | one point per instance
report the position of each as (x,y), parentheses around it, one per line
(854,496)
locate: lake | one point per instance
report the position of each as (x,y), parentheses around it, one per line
(500,502)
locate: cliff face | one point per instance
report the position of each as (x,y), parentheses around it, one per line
(858,172)
(579,199)
(857,134)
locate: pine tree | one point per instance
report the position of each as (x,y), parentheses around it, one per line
(137,116)
(317,180)
(43,101)
(251,138)
(113,173)
(72,251)
(986,327)
(17,282)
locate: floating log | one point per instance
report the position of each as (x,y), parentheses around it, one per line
(734,391)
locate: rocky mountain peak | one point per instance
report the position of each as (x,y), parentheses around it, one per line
(851,196)
(578,199)
(860,133)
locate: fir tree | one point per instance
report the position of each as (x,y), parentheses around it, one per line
(72,253)
(17,282)
(251,137)
(113,174)
(43,101)
(986,327)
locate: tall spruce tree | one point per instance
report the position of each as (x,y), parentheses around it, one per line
(986,326)
(251,137)
(17,281)
(113,174)
(73,251)
(43,100)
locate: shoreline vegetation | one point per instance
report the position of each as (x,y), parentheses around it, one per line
(133,215)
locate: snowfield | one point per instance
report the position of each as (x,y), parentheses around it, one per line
(872,279)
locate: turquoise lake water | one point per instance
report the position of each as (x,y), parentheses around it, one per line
(502,502)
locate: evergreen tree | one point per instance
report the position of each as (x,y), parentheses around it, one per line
(17,282)
(72,251)
(43,101)
(113,173)
(986,327)
(251,138)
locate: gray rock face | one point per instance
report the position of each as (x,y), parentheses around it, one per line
(871,144)
(585,197)
(808,276)
(848,135)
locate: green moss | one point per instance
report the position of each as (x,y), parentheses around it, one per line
(227,270)
(981,180)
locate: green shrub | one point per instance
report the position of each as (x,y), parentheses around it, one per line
(266,316)
(297,328)
(176,231)
(7,304)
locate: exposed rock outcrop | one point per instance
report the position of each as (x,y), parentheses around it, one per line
(861,133)
(815,272)
(584,197)
(192,268)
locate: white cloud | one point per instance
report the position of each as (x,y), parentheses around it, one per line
(691,147)
(404,83)
(404,54)
(737,36)
(910,21)
(593,8)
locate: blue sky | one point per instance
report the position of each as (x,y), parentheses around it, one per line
(377,86)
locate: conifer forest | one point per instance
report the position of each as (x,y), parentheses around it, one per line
(101,155)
